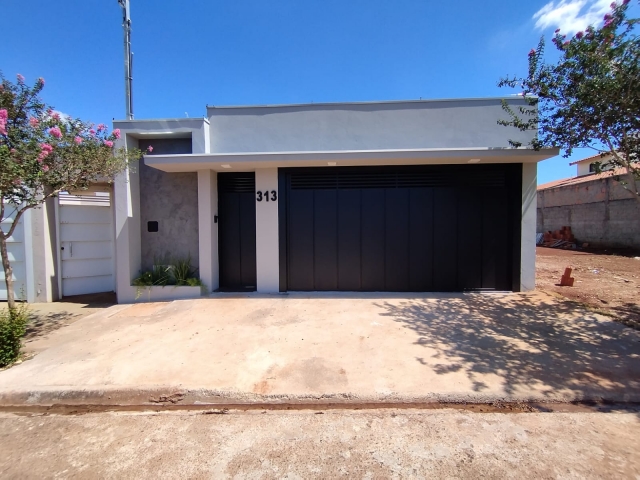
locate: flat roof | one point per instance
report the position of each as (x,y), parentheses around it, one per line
(371,102)
(175,119)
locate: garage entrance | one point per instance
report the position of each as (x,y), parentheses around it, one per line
(400,229)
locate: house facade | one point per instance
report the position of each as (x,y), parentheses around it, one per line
(403,196)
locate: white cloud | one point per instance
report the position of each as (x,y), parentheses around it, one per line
(571,16)
(63,116)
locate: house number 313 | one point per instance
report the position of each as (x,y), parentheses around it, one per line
(267,196)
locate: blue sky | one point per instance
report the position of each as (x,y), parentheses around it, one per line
(191,53)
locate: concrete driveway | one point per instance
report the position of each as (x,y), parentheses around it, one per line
(338,347)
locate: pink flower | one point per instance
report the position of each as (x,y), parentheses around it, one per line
(41,81)
(108,143)
(46,150)
(55,131)
(608,17)
(34,122)
(625,2)
(77,140)
(532,52)
(579,35)
(20,78)
(116,133)
(557,30)
(101,126)
(45,168)
(149,149)
(4,115)
(92,131)
(566,43)
(56,116)
(613,5)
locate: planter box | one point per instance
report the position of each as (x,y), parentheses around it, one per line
(170,292)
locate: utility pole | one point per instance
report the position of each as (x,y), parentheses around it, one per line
(128,57)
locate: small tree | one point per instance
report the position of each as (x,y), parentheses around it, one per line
(43,154)
(589,98)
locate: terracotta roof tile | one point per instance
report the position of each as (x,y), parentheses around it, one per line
(581,179)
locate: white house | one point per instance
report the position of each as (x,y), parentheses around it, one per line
(587,166)
(399,196)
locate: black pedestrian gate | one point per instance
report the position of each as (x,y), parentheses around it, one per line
(237,231)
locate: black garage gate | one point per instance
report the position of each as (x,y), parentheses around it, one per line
(402,229)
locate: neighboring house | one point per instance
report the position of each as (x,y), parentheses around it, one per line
(382,196)
(599,210)
(64,247)
(587,166)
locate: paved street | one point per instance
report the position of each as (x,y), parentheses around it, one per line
(307,444)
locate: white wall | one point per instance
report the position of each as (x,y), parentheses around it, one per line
(583,168)
(41,226)
(443,124)
(528,240)
(267,248)
(208,229)
(126,203)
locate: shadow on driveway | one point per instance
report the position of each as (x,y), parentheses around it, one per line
(526,342)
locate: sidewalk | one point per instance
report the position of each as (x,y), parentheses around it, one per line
(334,348)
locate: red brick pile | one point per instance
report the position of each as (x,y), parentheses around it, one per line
(562,238)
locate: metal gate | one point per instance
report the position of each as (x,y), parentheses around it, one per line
(237,231)
(17,256)
(86,242)
(426,228)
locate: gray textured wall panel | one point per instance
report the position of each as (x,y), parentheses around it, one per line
(171,199)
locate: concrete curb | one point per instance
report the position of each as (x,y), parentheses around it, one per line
(159,396)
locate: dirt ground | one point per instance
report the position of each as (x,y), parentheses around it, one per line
(321,444)
(608,282)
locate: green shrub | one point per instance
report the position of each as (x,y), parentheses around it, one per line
(182,271)
(13,324)
(160,275)
(178,272)
(194,282)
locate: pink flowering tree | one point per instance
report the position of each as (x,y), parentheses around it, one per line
(589,97)
(43,154)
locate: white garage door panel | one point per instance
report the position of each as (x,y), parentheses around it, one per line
(19,276)
(85,250)
(81,286)
(87,268)
(18,234)
(15,248)
(15,251)
(85,215)
(84,232)
(87,247)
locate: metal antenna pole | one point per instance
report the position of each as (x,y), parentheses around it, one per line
(128,57)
